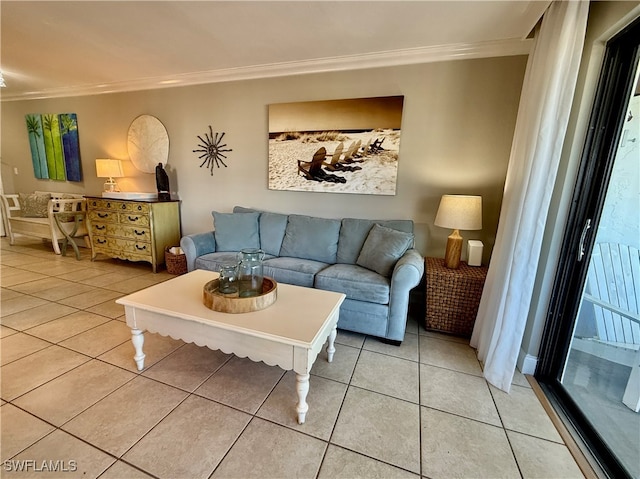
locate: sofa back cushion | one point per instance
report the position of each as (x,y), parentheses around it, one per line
(272,230)
(311,238)
(236,231)
(272,227)
(354,232)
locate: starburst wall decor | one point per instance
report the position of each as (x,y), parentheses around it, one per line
(212,149)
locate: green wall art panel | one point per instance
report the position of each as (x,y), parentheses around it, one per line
(36,142)
(55,146)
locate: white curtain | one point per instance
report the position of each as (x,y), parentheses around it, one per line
(545,103)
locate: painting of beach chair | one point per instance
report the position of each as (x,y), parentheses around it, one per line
(336,164)
(376,146)
(351,151)
(365,149)
(312,170)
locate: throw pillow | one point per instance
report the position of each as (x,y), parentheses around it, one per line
(34,205)
(236,231)
(383,248)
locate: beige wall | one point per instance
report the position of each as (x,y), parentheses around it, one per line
(458,122)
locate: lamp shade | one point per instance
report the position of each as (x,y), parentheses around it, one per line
(460,212)
(106,168)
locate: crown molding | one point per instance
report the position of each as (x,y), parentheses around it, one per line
(412,56)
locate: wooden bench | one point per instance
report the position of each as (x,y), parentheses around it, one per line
(66,214)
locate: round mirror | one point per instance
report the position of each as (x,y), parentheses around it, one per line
(148,143)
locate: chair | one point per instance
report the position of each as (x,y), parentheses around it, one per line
(353,149)
(336,164)
(613,288)
(376,146)
(312,170)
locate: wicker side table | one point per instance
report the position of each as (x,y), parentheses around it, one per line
(453,296)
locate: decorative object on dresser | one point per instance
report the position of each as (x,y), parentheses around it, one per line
(107,168)
(133,230)
(162,183)
(453,296)
(458,212)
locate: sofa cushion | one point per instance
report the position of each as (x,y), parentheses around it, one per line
(272,228)
(236,231)
(353,234)
(311,238)
(35,205)
(355,281)
(297,271)
(383,248)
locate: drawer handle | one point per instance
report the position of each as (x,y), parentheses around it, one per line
(124,207)
(108,205)
(103,215)
(141,248)
(101,241)
(139,233)
(101,227)
(139,207)
(134,218)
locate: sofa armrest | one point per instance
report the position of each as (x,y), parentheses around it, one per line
(196,245)
(406,275)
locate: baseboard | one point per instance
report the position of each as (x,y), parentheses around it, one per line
(527,363)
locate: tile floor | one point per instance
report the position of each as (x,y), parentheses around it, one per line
(72,399)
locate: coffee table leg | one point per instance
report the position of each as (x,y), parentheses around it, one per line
(302,386)
(331,348)
(137,338)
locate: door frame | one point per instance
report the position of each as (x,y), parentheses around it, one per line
(614,90)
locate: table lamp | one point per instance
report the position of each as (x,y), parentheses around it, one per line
(458,212)
(106,168)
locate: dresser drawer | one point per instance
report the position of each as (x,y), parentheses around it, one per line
(111,205)
(122,248)
(138,233)
(103,216)
(134,219)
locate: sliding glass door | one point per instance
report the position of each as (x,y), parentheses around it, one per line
(590,359)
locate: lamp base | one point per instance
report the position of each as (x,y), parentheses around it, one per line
(453,251)
(110,185)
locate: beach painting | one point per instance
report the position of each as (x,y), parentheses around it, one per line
(336,146)
(55,148)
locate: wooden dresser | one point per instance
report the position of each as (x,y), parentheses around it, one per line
(134,230)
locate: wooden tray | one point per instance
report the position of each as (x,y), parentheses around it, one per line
(232,303)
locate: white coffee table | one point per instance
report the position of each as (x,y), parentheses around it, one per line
(290,333)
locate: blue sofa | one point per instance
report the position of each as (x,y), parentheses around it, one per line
(373,263)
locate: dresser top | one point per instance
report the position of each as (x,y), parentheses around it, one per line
(141,200)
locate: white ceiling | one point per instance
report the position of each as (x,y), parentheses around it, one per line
(52,48)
